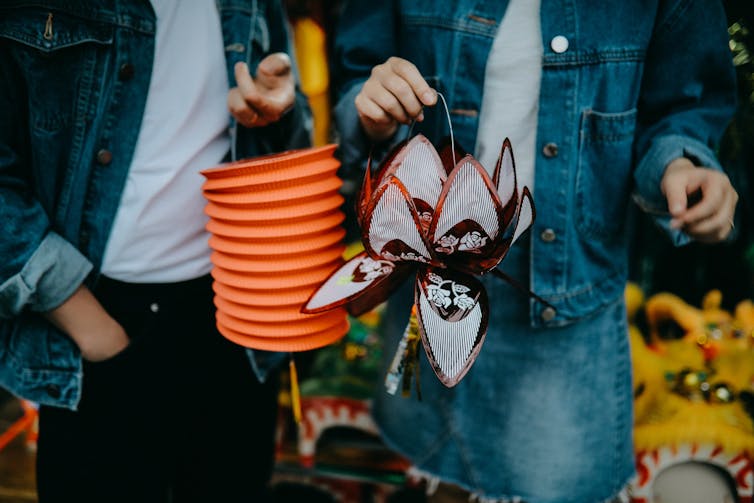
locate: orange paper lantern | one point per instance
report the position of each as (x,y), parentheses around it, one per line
(277,234)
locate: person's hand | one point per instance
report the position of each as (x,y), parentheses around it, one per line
(701,201)
(97,334)
(394,93)
(263,100)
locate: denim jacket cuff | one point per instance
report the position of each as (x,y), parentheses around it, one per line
(353,142)
(355,146)
(49,277)
(651,169)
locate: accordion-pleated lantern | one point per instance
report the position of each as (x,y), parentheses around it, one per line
(276,235)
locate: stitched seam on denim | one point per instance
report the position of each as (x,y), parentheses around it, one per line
(581,291)
(612,116)
(593,58)
(622,369)
(97,16)
(476,28)
(34,43)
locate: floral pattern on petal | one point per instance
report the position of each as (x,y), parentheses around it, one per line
(446,244)
(439,296)
(472,241)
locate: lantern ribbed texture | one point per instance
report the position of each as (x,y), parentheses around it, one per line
(276,235)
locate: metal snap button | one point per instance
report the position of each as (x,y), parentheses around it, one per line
(104,157)
(548,313)
(548,235)
(559,44)
(550,150)
(126,71)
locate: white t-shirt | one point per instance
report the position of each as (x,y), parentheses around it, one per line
(510,102)
(158,234)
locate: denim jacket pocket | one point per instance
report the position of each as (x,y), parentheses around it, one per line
(603,179)
(54,46)
(48,31)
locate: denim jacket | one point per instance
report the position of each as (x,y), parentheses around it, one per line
(74,76)
(627,86)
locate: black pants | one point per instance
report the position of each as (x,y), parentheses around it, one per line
(178,416)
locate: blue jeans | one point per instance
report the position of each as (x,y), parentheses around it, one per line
(545,414)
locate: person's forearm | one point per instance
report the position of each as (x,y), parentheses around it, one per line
(83,318)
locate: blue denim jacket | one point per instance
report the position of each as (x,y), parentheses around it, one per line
(74,76)
(640,83)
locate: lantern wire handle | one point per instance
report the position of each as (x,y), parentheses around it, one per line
(450,126)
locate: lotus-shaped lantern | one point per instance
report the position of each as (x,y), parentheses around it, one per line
(441,217)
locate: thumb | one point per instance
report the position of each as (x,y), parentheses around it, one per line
(675,185)
(675,194)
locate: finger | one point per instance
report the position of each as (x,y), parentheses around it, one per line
(269,96)
(245,83)
(716,195)
(408,72)
(675,194)
(710,230)
(391,106)
(377,124)
(371,111)
(240,110)
(274,73)
(403,92)
(710,204)
(719,224)
(674,185)
(277,64)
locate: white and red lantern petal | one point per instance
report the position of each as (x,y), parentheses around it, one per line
(526,214)
(469,220)
(420,170)
(505,179)
(361,278)
(392,229)
(453,314)
(370,182)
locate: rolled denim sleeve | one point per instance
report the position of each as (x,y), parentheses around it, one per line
(353,141)
(688,96)
(49,277)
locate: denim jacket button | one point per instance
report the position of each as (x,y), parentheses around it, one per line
(550,150)
(559,44)
(126,71)
(548,235)
(53,390)
(548,313)
(104,157)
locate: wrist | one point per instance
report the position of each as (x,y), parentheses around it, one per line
(86,322)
